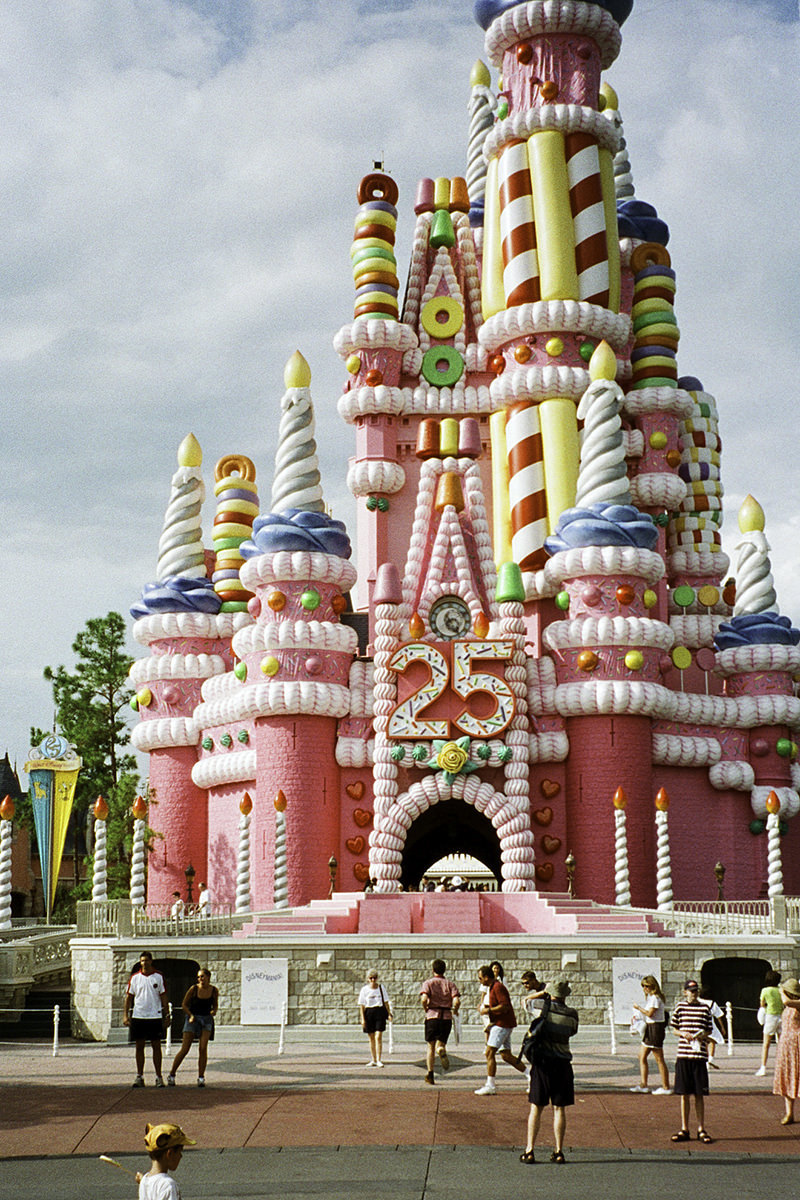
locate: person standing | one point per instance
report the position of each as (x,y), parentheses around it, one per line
(440,999)
(146,1015)
(786,1081)
(772,1003)
(655,1018)
(692,1022)
(552,1078)
(375,1010)
(718,1029)
(164,1144)
(200,1005)
(500,1011)
(204,901)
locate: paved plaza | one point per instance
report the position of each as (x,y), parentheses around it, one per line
(314,1121)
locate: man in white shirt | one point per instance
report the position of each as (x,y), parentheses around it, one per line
(146,1014)
(204,901)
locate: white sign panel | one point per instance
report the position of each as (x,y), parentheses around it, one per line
(265,990)
(627,975)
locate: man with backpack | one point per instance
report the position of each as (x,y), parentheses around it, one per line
(552,1079)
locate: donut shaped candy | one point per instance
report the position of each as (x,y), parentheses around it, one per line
(649,254)
(452,371)
(454,314)
(238,466)
(378,187)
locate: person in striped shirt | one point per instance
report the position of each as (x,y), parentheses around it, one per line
(691,1020)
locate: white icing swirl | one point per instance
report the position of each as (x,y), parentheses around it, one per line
(137,892)
(5,874)
(297,479)
(663,864)
(243,865)
(99,864)
(603,475)
(622,883)
(774,864)
(755,587)
(281,872)
(180,547)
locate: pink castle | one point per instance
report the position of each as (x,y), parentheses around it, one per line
(541,656)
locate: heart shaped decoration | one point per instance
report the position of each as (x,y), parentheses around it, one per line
(549,788)
(362,817)
(543,816)
(361,872)
(550,844)
(356,845)
(355,790)
(544,871)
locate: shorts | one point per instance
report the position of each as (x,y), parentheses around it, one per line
(552,1082)
(201,1021)
(772,1024)
(437,1029)
(691,1077)
(499,1037)
(653,1035)
(375,1018)
(145,1029)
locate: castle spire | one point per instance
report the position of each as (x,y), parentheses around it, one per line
(297,480)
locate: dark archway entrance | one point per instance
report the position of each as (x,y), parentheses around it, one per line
(739,980)
(450,827)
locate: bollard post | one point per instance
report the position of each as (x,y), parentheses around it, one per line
(729,1019)
(283,1028)
(56,1018)
(611,1024)
(391,1037)
(169,1028)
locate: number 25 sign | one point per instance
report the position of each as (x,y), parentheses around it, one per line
(406,720)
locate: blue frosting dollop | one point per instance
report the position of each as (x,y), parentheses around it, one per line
(296,529)
(756,629)
(603,525)
(178,593)
(487,10)
(638,219)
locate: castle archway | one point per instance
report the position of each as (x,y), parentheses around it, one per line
(451,827)
(511,827)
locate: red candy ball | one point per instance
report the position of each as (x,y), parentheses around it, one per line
(625,594)
(497,364)
(587,660)
(373,378)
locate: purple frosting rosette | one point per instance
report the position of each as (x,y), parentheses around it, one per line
(603,525)
(638,219)
(756,629)
(178,593)
(296,529)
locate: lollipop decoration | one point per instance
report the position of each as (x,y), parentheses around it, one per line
(663,861)
(774,864)
(6,817)
(100,867)
(137,855)
(243,862)
(281,885)
(622,885)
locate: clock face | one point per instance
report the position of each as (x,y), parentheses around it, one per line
(450,618)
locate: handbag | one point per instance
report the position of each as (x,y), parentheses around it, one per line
(761,1015)
(531,1040)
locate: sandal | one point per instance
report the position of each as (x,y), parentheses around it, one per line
(527,1157)
(704,1137)
(682,1135)
(557,1157)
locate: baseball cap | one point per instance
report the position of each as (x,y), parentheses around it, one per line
(690,985)
(165,1136)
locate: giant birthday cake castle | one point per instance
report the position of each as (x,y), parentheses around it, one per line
(542,655)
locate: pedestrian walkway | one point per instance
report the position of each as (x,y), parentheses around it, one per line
(316,1121)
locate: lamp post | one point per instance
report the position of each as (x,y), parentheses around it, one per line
(719,875)
(333,867)
(569,863)
(190,873)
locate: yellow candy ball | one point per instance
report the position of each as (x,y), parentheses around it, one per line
(554,346)
(353,364)
(650,598)
(270,665)
(658,440)
(682,658)
(144,697)
(634,660)
(708,595)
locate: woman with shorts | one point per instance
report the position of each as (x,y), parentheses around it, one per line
(200,1006)
(772,1003)
(655,1025)
(375,1010)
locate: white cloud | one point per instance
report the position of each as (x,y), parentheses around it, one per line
(178,189)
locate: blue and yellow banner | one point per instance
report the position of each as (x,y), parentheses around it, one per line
(51,788)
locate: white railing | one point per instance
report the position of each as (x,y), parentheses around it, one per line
(120,918)
(731,918)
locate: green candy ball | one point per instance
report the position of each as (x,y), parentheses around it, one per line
(311,599)
(562,601)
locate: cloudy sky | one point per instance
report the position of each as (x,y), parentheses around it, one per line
(178,191)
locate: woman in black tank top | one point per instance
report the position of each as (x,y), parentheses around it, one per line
(200,1005)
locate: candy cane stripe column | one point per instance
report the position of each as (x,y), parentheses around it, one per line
(555,239)
(588,217)
(527,499)
(517,230)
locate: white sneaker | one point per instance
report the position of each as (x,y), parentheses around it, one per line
(662,1091)
(761,1071)
(639,1088)
(486,1090)
(378,1063)
(170,1081)
(372,1063)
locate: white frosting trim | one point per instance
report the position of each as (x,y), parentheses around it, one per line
(275,699)
(657,490)
(608,631)
(698,562)
(553,16)
(365,476)
(538,383)
(291,635)
(695,629)
(556,316)
(165,732)
(548,747)
(298,566)
(368,333)
(789,800)
(188,624)
(738,776)
(354,752)
(368,401)
(740,660)
(603,560)
(680,750)
(177,666)
(563,118)
(236,766)
(442,402)
(644,401)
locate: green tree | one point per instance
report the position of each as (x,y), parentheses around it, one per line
(90,706)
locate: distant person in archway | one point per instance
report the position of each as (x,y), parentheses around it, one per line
(146,1015)
(200,1005)
(441,1000)
(771,1002)
(787,1066)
